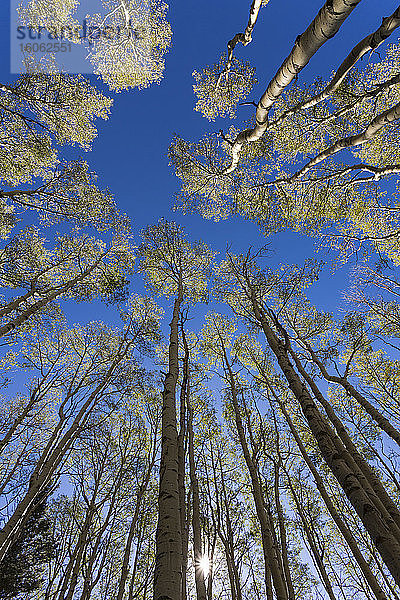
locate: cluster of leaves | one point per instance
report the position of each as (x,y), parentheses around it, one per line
(219,89)
(40,109)
(342,200)
(135,57)
(126,43)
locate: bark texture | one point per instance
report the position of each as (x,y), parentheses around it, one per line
(245,36)
(168,560)
(368,44)
(325,25)
(354,485)
(341,525)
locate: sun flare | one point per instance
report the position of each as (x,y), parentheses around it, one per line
(205,565)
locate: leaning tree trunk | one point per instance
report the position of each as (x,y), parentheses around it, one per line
(376,521)
(39,479)
(132,527)
(364,466)
(201,593)
(325,25)
(373,412)
(31,310)
(314,552)
(340,524)
(387,117)
(369,44)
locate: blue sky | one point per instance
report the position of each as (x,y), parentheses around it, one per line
(129,154)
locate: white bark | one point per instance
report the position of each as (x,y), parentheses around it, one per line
(386,118)
(368,44)
(325,25)
(354,484)
(168,560)
(245,37)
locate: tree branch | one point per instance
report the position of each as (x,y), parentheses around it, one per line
(325,25)
(369,43)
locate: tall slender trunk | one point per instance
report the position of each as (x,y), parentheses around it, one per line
(282,533)
(70,576)
(341,525)
(210,579)
(318,559)
(132,592)
(272,557)
(168,560)
(376,522)
(52,457)
(132,528)
(364,466)
(89,582)
(33,399)
(196,525)
(182,438)
(228,542)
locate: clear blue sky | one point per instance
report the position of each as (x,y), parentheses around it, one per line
(129,154)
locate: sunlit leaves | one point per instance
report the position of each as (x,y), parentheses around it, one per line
(218,333)
(205,187)
(126,42)
(348,204)
(40,109)
(72,267)
(219,89)
(171,263)
(134,55)
(69,192)
(51,15)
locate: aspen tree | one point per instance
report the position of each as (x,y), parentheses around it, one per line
(68,192)
(39,110)
(140,498)
(216,345)
(172,267)
(196,524)
(104,367)
(377,519)
(79,267)
(260,172)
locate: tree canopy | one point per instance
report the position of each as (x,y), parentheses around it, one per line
(191,411)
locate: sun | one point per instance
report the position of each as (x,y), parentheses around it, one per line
(204,565)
